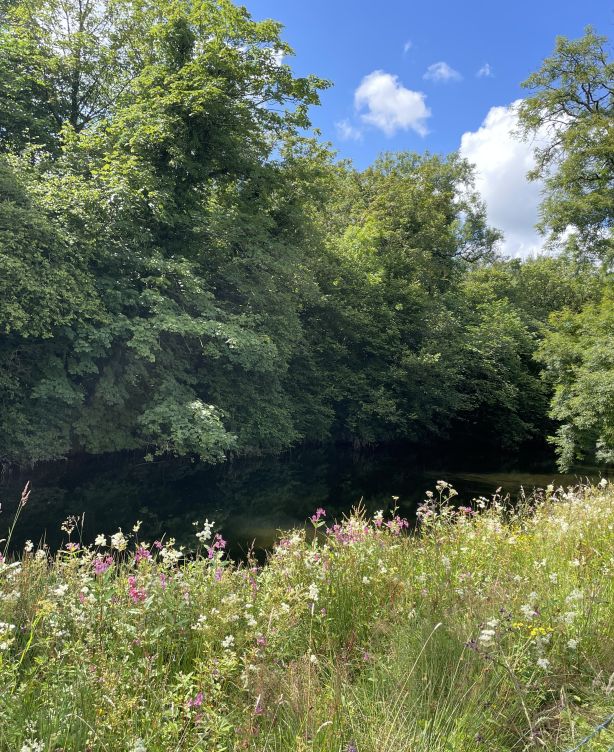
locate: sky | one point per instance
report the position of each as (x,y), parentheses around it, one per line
(434,76)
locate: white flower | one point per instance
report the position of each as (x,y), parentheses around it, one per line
(553,577)
(40,555)
(446,562)
(60,590)
(603,483)
(572,644)
(575,595)
(137,526)
(100,540)
(28,546)
(314,593)
(366,580)
(569,616)
(119,541)
(486,635)
(139,746)
(204,534)
(543,663)
(313,658)
(228,642)
(32,746)
(378,516)
(527,611)
(492,623)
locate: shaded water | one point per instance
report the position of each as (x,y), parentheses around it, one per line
(249,499)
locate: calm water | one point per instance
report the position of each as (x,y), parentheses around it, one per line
(249,499)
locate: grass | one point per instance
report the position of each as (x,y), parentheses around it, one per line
(488,628)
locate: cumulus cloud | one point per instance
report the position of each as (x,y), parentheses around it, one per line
(441,72)
(384,102)
(485,71)
(348,132)
(502,162)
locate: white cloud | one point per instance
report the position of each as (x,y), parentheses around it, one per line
(441,72)
(485,71)
(407,46)
(347,132)
(502,162)
(389,105)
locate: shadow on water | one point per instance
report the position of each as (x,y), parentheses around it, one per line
(249,499)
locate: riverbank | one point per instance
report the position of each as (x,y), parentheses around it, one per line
(489,629)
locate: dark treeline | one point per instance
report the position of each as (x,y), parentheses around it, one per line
(184,269)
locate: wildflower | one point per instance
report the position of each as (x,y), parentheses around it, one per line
(102,564)
(60,590)
(553,577)
(118,541)
(543,663)
(313,659)
(40,555)
(204,534)
(528,611)
(141,554)
(486,636)
(366,580)
(378,518)
(197,701)
(135,593)
(33,746)
(319,513)
(351,747)
(314,593)
(137,526)
(100,540)
(228,642)
(28,546)
(139,746)
(72,547)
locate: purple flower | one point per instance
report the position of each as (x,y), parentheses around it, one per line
(101,565)
(319,513)
(197,701)
(137,594)
(141,554)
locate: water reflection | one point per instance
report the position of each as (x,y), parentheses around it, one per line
(250,499)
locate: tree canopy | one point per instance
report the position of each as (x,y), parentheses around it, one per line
(186,269)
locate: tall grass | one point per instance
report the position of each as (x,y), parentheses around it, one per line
(488,628)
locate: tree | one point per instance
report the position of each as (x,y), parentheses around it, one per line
(572,106)
(578,355)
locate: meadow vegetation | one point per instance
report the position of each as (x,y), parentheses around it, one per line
(487,627)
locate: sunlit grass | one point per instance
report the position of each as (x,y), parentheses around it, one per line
(488,628)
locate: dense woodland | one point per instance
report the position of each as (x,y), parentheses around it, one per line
(186,268)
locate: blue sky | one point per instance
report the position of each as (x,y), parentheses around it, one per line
(434,76)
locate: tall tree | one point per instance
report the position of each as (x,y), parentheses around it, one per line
(572,106)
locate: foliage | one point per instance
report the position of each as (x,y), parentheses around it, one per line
(185,269)
(578,353)
(488,628)
(573,107)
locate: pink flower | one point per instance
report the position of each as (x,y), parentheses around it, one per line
(101,565)
(319,513)
(72,547)
(141,554)
(135,593)
(197,701)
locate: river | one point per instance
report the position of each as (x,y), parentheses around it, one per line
(250,500)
